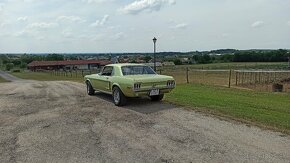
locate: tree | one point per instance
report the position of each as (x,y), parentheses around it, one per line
(9,66)
(177,62)
(147,58)
(54,57)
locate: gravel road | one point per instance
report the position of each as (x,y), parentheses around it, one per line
(57,122)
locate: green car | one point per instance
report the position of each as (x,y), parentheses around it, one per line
(129,80)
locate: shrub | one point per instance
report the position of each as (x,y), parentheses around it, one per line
(9,66)
(16,70)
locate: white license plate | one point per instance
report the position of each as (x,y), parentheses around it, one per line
(154,92)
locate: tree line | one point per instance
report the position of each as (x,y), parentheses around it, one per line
(280,55)
(9,62)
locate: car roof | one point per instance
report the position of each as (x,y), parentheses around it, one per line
(125,64)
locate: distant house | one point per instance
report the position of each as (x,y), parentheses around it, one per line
(67,65)
(158,64)
(168,64)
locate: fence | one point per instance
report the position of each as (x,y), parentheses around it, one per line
(73,73)
(253,79)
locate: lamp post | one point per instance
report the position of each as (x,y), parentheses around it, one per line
(288,60)
(154,41)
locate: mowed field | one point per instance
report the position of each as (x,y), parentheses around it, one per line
(265,109)
(2,80)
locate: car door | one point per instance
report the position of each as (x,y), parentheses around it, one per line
(96,81)
(105,78)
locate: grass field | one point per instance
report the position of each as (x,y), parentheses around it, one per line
(2,80)
(44,76)
(270,110)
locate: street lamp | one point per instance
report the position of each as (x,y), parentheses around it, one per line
(154,41)
(288,60)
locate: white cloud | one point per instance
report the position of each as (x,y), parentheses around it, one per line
(30,1)
(71,19)
(67,33)
(97,1)
(42,25)
(35,29)
(288,23)
(100,22)
(258,24)
(98,37)
(1,7)
(119,36)
(24,18)
(145,5)
(180,26)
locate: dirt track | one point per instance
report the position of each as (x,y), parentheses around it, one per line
(58,122)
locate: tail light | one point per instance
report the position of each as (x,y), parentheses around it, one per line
(137,86)
(170,83)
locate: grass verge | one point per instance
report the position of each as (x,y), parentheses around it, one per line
(44,76)
(270,110)
(3,80)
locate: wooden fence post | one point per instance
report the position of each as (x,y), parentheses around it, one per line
(230,78)
(243,75)
(236,78)
(187,75)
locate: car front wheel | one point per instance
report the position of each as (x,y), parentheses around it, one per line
(118,97)
(157,98)
(90,89)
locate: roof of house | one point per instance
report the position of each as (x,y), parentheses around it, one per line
(73,62)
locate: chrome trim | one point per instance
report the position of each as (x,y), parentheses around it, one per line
(146,90)
(106,92)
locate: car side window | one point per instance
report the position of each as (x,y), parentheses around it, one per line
(107,71)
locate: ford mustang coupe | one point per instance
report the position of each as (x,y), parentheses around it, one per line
(129,80)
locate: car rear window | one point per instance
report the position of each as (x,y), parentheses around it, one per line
(137,70)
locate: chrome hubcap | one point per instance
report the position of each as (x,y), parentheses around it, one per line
(88,90)
(116,96)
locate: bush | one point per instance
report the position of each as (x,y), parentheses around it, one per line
(9,66)
(177,62)
(16,70)
(23,65)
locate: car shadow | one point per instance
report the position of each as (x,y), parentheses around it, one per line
(141,104)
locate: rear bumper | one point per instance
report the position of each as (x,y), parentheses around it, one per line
(145,92)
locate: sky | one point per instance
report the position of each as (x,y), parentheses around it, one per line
(114,26)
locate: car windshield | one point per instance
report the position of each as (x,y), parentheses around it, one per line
(137,70)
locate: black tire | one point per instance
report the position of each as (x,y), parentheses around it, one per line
(90,89)
(157,98)
(119,98)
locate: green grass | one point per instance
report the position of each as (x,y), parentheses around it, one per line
(271,110)
(3,80)
(45,76)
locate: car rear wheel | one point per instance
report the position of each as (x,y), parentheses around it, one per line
(118,97)
(90,89)
(157,98)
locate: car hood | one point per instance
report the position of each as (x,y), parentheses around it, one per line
(149,78)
